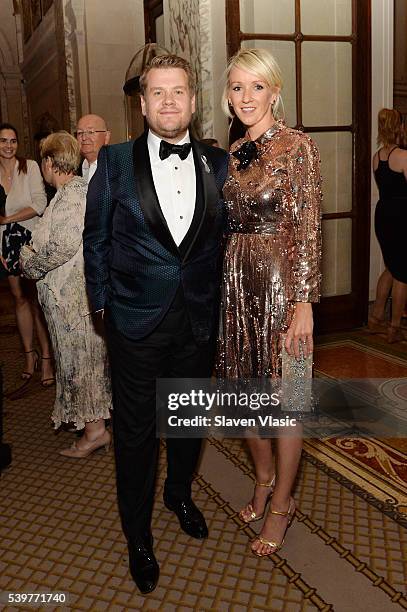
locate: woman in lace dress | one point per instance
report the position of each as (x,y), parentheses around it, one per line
(55,260)
(271,268)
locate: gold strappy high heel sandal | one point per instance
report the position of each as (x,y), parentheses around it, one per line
(276,546)
(249,508)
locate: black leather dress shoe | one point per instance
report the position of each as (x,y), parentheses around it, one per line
(190,518)
(143,564)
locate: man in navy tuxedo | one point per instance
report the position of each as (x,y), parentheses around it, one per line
(152,244)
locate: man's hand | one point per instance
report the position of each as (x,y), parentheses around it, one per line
(98,322)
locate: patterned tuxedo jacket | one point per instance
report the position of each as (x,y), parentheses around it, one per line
(132,264)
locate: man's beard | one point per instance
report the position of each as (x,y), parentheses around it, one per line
(178,130)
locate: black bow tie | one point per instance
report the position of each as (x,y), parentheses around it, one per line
(167,149)
(245,154)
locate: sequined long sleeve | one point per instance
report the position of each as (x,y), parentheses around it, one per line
(304,172)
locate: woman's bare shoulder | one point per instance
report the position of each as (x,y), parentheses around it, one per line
(398,160)
(400,153)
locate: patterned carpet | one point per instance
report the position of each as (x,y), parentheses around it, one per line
(60,530)
(376,468)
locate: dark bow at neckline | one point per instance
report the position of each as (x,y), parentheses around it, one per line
(245,154)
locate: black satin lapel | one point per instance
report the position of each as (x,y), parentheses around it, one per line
(148,196)
(210,194)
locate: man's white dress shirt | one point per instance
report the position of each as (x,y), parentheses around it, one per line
(175,184)
(88,170)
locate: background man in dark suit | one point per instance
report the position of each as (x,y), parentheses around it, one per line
(152,246)
(92,134)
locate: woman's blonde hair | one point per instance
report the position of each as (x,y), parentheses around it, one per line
(63,150)
(261,63)
(389,127)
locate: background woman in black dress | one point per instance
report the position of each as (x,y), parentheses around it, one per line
(390,170)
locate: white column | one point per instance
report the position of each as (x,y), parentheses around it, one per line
(196,30)
(77,67)
(218,19)
(382,96)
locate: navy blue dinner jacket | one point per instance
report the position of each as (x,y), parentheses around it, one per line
(133,266)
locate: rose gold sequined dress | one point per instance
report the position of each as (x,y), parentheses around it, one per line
(273,250)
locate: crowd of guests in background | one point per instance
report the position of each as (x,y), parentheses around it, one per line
(42,257)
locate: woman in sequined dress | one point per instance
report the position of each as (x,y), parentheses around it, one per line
(271,269)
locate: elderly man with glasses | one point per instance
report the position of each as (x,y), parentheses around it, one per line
(92,134)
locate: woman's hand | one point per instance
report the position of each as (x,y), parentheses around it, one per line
(3,262)
(3,220)
(300,331)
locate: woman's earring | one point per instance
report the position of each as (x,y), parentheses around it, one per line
(273,106)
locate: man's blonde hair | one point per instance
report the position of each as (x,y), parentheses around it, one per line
(63,150)
(262,64)
(168,61)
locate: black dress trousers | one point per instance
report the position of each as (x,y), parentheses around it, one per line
(170,351)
